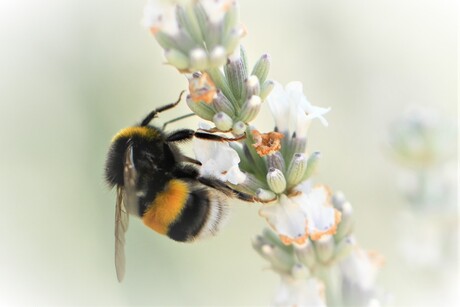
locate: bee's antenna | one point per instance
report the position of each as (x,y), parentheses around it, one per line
(153,114)
(176,119)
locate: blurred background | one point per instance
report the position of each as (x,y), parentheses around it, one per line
(73,72)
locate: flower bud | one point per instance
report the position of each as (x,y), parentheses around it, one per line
(201,109)
(297,169)
(325,248)
(251,87)
(250,109)
(312,162)
(233,38)
(299,271)
(265,195)
(346,224)
(231,17)
(222,121)
(262,68)
(218,56)
(338,199)
(306,254)
(343,248)
(235,71)
(239,128)
(177,59)
(198,59)
(187,18)
(276,180)
(276,160)
(266,89)
(280,260)
(222,104)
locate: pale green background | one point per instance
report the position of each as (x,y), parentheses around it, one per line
(74,72)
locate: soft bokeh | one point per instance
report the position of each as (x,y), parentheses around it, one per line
(74,72)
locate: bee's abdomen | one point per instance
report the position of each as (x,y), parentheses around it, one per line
(185,211)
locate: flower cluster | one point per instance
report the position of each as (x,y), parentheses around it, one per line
(230,96)
(195,35)
(332,270)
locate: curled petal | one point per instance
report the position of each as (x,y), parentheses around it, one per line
(323,218)
(266,143)
(202,88)
(218,160)
(287,219)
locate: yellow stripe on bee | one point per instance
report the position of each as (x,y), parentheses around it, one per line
(167,206)
(137,130)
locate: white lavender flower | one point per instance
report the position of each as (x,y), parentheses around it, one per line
(218,160)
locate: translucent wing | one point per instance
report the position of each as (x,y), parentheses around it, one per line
(121,225)
(126,201)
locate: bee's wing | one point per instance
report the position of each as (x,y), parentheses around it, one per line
(126,199)
(121,225)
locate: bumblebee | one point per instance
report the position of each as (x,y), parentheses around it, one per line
(162,186)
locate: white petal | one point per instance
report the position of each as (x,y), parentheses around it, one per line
(279,107)
(218,160)
(322,217)
(286,218)
(361,268)
(299,292)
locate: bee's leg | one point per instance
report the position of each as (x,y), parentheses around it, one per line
(222,187)
(190,160)
(187,134)
(153,114)
(186,171)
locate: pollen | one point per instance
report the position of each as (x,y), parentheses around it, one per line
(202,88)
(266,143)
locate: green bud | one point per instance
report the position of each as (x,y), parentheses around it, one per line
(265,195)
(236,74)
(165,41)
(222,104)
(297,169)
(222,121)
(198,59)
(306,254)
(312,162)
(280,260)
(201,109)
(266,88)
(232,40)
(262,68)
(251,87)
(187,19)
(239,128)
(299,271)
(231,17)
(177,59)
(250,109)
(276,160)
(325,248)
(276,180)
(345,226)
(343,249)
(218,56)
